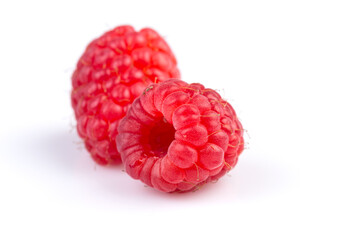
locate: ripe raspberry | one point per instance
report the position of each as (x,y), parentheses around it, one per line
(176,136)
(114,69)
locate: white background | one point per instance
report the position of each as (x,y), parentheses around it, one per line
(289,68)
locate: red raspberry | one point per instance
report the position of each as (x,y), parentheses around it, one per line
(114,69)
(176,136)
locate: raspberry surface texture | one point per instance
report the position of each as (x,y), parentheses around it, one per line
(114,69)
(177,136)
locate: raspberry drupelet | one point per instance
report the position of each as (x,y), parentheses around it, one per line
(114,69)
(178,136)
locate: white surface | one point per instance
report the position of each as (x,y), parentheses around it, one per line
(290,69)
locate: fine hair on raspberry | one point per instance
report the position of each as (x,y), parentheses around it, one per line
(178,136)
(115,69)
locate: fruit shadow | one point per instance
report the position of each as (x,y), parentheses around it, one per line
(67,152)
(60,152)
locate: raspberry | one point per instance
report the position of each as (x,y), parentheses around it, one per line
(114,69)
(178,136)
